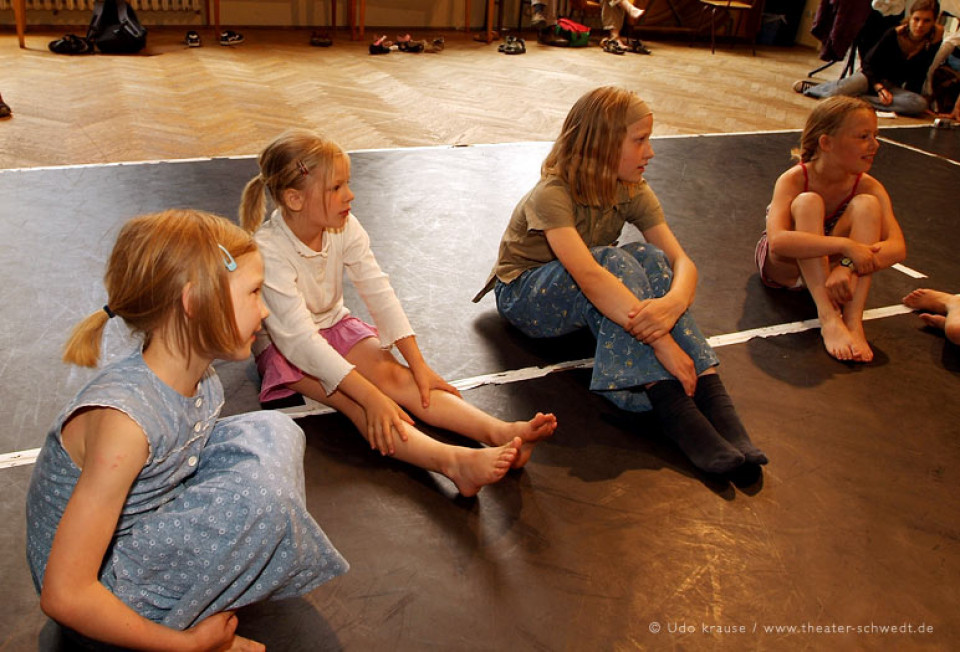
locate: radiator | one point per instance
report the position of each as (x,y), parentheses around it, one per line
(85,5)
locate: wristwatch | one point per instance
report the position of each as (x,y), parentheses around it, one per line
(846,262)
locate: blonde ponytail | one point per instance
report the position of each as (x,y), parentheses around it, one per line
(253,204)
(83,346)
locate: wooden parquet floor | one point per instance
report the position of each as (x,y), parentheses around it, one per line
(175,102)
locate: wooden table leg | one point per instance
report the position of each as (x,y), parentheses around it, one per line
(20,17)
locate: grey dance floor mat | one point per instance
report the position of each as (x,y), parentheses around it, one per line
(609,539)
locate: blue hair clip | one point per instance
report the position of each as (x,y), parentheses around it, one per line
(228,260)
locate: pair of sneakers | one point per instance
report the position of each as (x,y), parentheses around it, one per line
(227,37)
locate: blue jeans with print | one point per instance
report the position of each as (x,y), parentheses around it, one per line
(547,302)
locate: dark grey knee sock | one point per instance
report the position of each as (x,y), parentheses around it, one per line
(692,432)
(713,401)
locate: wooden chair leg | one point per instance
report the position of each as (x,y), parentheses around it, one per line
(20,17)
(490,21)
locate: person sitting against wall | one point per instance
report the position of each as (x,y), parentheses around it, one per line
(894,71)
(614,14)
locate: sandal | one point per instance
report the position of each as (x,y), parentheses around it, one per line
(513,45)
(410,46)
(636,45)
(380,46)
(613,46)
(192,39)
(320,40)
(803,85)
(436,45)
(71,44)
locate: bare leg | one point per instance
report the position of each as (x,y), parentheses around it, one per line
(946,309)
(808,215)
(468,468)
(677,362)
(446,410)
(861,222)
(633,13)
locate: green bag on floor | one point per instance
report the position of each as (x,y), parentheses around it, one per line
(576,34)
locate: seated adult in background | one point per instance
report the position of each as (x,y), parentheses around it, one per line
(894,71)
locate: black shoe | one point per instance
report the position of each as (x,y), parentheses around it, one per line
(229,37)
(192,39)
(549,37)
(5,110)
(71,44)
(320,40)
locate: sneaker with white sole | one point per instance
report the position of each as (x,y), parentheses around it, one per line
(229,37)
(192,39)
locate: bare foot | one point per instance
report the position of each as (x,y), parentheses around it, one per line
(677,362)
(838,340)
(473,468)
(929,300)
(530,432)
(863,352)
(936,321)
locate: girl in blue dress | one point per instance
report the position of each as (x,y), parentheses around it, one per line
(148,519)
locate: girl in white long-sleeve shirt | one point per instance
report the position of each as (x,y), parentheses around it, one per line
(313,345)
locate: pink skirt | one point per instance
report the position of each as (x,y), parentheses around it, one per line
(277,372)
(760,254)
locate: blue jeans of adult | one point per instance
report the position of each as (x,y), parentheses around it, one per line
(857,85)
(547,302)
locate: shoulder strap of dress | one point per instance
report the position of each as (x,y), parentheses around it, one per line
(806,177)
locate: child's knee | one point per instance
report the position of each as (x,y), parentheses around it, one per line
(644,251)
(392,377)
(866,212)
(866,205)
(807,210)
(615,260)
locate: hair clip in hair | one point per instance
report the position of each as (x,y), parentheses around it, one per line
(303,168)
(228,261)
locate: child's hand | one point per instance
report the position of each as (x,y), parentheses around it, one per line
(652,319)
(863,256)
(384,417)
(427,379)
(217,633)
(841,284)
